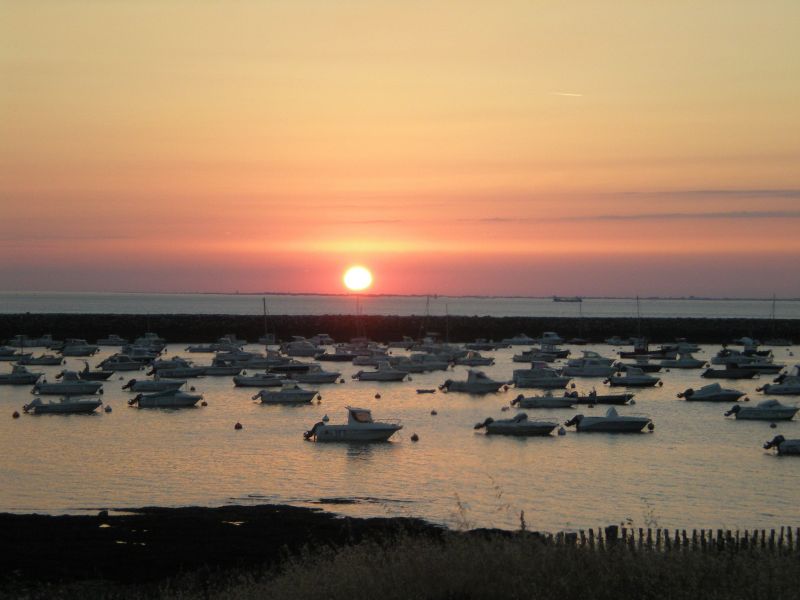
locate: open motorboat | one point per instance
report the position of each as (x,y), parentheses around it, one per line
(78,347)
(641,363)
(259,380)
(220,367)
(768,410)
(731,372)
(788,386)
(518,340)
(120,362)
(41,360)
(88,374)
(384,372)
(518,425)
(783,446)
(633,377)
(112,340)
(685,360)
(546,401)
(316,374)
(360,427)
(612,422)
(474,359)
(166,399)
(711,393)
(593,398)
(157,384)
(477,382)
(589,367)
(70,385)
(69,405)
(290,393)
(540,377)
(19,375)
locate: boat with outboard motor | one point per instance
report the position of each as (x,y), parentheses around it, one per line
(477,382)
(166,399)
(157,384)
(783,446)
(70,384)
(713,392)
(19,375)
(633,377)
(290,393)
(384,372)
(360,427)
(519,425)
(611,422)
(768,410)
(67,405)
(546,401)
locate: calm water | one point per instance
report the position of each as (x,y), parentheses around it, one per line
(40,302)
(696,469)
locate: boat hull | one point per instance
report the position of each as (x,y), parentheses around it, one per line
(343,433)
(73,408)
(631,425)
(774,414)
(521,430)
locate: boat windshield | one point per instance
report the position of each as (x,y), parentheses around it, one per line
(361,416)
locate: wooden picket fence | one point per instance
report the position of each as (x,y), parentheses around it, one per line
(779,541)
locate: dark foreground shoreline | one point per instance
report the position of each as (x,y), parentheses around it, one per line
(153,543)
(278,551)
(205,328)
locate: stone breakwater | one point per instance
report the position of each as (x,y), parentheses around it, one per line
(385,328)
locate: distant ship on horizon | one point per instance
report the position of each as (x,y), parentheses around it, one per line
(567,299)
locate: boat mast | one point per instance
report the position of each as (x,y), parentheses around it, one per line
(638,318)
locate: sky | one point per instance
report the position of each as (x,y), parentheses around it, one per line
(453,147)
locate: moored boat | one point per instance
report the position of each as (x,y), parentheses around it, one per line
(611,422)
(166,399)
(290,393)
(713,392)
(68,405)
(477,382)
(360,427)
(783,446)
(518,425)
(768,410)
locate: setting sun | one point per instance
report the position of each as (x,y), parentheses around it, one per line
(357,278)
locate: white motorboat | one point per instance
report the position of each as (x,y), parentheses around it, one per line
(19,375)
(788,386)
(70,385)
(290,393)
(259,380)
(633,377)
(68,405)
(588,367)
(768,410)
(477,382)
(316,374)
(112,340)
(546,401)
(120,362)
(612,422)
(783,446)
(166,399)
(300,347)
(153,385)
(78,347)
(518,425)
(474,359)
(220,367)
(539,377)
(41,360)
(360,427)
(711,393)
(384,372)
(518,340)
(685,360)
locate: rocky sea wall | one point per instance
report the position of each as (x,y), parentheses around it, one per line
(204,328)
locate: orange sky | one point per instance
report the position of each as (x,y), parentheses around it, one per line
(454,147)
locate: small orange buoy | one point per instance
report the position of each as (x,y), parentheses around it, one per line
(238,426)
(319,396)
(434,413)
(377,396)
(15,415)
(107,408)
(341,380)
(414,437)
(204,403)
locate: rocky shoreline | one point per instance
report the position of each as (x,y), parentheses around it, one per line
(203,328)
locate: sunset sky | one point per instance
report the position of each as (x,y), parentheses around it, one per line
(454,147)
